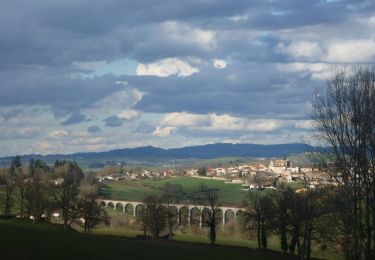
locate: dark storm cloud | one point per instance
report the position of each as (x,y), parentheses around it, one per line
(41,40)
(145,128)
(114,121)
(48,48)
(75,118)
(256,90)
(11,113)
(59,32)
(94,129)
(54,88)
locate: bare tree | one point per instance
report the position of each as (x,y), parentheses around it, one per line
(282,198)
(8,181)
(345,119)
(212,219)
(258,213)
(153,216)
(67,191)
(37,190)
(171,196)
(21,183)
(90,210)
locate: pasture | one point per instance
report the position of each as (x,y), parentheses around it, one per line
(23,240)
(229,194)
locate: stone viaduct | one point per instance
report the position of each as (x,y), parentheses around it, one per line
(187,214)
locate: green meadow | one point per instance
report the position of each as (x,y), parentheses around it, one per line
(192,187)
(22,240)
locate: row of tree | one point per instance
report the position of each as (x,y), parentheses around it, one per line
(160,212)
(42,190)
(345,214)
(298,218)
(345,120)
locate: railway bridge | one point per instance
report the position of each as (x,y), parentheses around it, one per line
(187,214)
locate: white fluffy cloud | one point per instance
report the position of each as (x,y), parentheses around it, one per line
(59,133)
(128,114)
(167,67)
(163,131)
(302,49)
(219,64)
(181,32)
(318,71)
(354,51)
(215,122)
(119,103)
(241,59)
(330,50)
(304,124)
(184,119)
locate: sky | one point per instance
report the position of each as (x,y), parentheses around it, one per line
(94,75)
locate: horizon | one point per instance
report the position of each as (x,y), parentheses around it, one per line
(150,146)
(90,76)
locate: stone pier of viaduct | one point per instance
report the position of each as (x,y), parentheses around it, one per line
(187,214)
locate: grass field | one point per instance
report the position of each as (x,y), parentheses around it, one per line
(20,240)
(137,190)
(273,241)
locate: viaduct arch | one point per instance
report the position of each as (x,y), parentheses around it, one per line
(185,212)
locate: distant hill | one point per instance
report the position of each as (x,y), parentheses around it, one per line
(150,153)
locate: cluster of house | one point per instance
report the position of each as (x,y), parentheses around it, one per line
(250,175)
(134,175)
(280,170)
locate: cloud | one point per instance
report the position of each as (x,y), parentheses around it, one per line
(301,50)
(11,113)
(257,90)
(317,71)
(58,133)
(184,32)
(116,102)
(145,128)
(305,124)
(352,51)
(184,119)
(163,131)
(86,141)
(114,121)
(121,118)
(219,64)
(128,114)
(94,129)
(74,118)
(24,133)
(214,122)
(167,67)
(193,71)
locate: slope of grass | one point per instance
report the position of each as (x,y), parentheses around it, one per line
(127,190)
(273,241)
(21,240)
(137,190)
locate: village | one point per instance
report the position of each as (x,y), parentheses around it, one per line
(250,176)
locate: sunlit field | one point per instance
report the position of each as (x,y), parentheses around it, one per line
(192,187)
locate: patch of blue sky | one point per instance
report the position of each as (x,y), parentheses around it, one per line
(278,13)
(117,67)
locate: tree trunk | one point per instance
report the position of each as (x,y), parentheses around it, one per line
(258,233)
(263,235)
(283,237)
(170,230)
(22,197)
(308,244)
